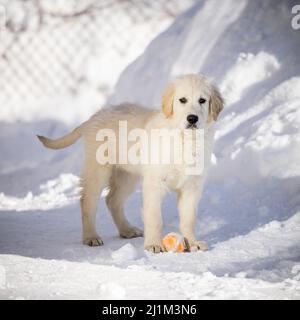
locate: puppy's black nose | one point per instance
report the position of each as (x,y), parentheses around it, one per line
(192,118)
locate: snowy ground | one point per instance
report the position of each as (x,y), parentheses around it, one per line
(250,211)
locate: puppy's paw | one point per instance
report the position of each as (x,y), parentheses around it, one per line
(155,248)
(198,245)
(131,232)
(94,241)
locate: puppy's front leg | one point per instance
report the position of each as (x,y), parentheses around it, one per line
(188,199)
(153,193)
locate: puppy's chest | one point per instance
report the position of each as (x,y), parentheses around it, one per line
(175,177)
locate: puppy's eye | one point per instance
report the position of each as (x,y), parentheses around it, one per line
(202,100)
(183,100)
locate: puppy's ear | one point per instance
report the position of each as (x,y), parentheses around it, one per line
(216,104)
(167,100)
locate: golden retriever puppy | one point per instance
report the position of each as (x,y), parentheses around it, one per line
(114,159)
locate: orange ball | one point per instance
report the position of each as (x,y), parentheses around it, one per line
(174,242)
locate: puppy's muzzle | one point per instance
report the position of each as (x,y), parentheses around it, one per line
(192,119)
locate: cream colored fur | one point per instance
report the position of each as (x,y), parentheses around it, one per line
(156,179)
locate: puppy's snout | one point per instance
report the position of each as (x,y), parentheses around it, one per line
(192,118)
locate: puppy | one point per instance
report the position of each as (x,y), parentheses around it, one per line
(189,103)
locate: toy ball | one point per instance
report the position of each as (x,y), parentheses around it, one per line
(174,242)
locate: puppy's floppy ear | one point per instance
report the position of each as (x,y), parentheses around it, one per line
(167,100)
(216,104)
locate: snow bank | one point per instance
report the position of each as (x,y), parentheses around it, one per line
(257,67)
(55,193)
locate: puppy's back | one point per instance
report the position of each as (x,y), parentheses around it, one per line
(134,115)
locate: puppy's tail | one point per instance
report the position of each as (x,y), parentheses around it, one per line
(62,142)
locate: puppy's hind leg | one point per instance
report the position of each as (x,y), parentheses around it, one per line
(122,184)
(92,183)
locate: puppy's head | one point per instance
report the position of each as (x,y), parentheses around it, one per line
(192,101)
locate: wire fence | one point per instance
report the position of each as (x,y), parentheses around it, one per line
(55,47)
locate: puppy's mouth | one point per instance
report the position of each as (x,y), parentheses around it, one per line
(191,126)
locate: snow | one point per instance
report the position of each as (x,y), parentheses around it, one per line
(54,194)
(247,272)
(94,49)
(127,252)
(257,67)
(250,210)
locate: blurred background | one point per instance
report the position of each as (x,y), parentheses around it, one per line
(66,55)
